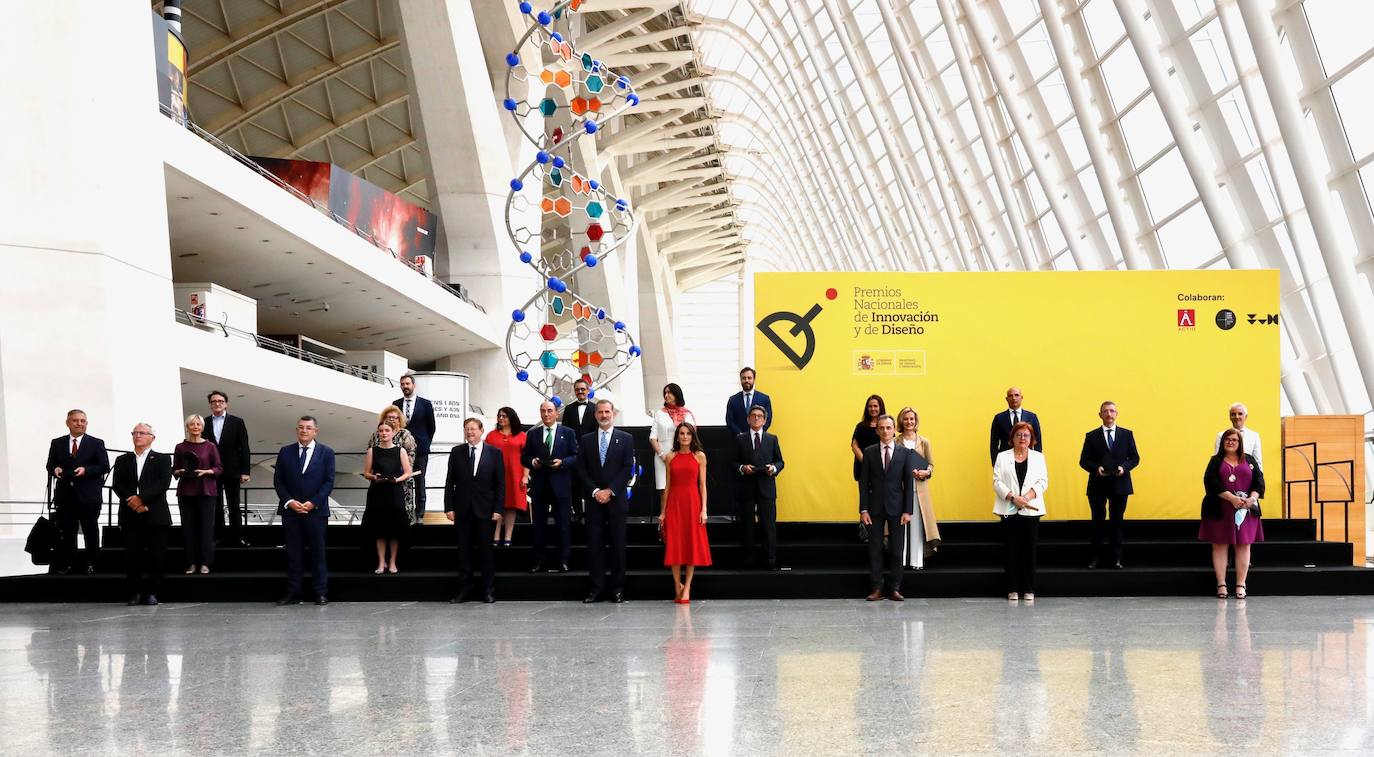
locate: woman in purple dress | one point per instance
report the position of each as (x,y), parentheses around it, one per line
(1231,510)
(197,468)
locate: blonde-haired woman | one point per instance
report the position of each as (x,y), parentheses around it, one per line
(392,416)
(196,463)
(923,537)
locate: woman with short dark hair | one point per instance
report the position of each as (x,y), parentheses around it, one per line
(1230,510)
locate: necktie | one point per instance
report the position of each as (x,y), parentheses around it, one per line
(472,459)
(1109,439)
(407,408)
(887,456)
(548,439)
(1015,417)
(302,458)
(748,400)
(756,442)
(605,442)
(74,446)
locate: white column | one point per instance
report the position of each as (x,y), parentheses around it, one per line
(86,292)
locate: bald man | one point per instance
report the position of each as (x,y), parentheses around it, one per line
(1250,438)
(550,452)
(1003,421)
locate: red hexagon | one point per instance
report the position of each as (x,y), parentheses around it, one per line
(584,252)
(587,378)
(595,357)
(549,332)
(557,135)
(594,232)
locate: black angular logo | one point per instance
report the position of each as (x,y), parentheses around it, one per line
(1262,320)
(1226,320)
(801,326)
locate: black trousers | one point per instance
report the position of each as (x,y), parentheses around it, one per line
(1020,542)
(896,538)
(303,531)
(419,463)
(198,528)
(766,509)
(539,521)
(71,516)
(145,550)
(1101,504)
(470,526)
(231,505)
(606,523)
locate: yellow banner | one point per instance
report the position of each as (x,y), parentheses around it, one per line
(1173,349)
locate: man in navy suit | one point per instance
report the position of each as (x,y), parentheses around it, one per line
(737,407)
(887,496)
(140,481)
(304,479)
(758,460)
(1109,455)
(78,464)
(550,453)
(1002,423)
(474,497)
(605,462)
(419,414)
(230,435)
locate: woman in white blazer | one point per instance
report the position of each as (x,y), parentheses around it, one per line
(1020,478)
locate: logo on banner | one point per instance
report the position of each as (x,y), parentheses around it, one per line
(801,326)
(865,363)
(1263,320)
(1226,320)
(1187,319)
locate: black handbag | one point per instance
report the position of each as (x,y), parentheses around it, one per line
(42,541)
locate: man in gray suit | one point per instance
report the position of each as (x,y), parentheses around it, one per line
(887,497)
(758,459)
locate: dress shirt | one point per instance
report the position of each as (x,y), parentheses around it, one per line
(748,401)
(1110,440)
(603,437)
(476,455)
(217,423)
(408,405)
(75,440)
(550,435)
(887,454)
(139,459)
(309,453)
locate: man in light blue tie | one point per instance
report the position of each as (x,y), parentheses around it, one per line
(605,475)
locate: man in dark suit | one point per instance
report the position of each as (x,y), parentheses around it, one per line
(1002,423)
(605,462)
(419,414)
(140,481)
(580,416)
(887,496)
(474,495)
(78,464)
(737,407)
(230,435)
(304,479)
(1109,455)
(758,459)
(550,453)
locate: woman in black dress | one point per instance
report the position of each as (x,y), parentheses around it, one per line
(866,435)
(387,466)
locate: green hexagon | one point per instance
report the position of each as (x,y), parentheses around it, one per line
(548,360)
(594,84)
(555,177)
(594,209)
(548,107)
(586,61)
(557,305)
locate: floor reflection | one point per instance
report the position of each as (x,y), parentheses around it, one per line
(759,678)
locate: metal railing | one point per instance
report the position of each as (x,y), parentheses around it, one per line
(272,345)
(321,207)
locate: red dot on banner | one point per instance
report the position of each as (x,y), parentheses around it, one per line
(831,294)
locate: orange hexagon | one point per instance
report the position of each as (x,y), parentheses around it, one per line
(579,185)
(565,51)
(574,5)
(579,359)
(593,104)
(546,76)
(578,106)
(562,78)
(562,207)
(578,311)
(546,205)
(595,358)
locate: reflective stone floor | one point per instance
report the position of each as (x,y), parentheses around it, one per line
(1117,676)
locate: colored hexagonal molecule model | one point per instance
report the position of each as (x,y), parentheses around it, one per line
(549,332)
(593,83)
(595,232)
(548,360)
(594,209)
(556,305)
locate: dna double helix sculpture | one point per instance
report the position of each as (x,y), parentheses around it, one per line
(559,218)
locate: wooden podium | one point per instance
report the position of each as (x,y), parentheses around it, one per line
(1323,476)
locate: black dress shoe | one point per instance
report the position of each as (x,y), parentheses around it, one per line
(135,599)
(150,600)
(322,600)
(289,599)
(1092,564)
(459,598)
(1117,565)
(240,543)
(773,566)
(537,567)
(562,568)
(592,598)
(618,598)
(90,570)
(490,598)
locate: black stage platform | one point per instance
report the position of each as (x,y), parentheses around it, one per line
(825,560)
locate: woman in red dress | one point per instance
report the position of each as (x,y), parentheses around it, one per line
(508,438)
(682,515)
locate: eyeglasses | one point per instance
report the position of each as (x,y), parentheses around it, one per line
(219,402)
(141,433)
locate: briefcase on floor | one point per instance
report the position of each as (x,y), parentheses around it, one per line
(42,540)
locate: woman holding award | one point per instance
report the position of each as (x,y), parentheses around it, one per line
(197,466)
(1020,478)
(1231,510)
(385,518)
